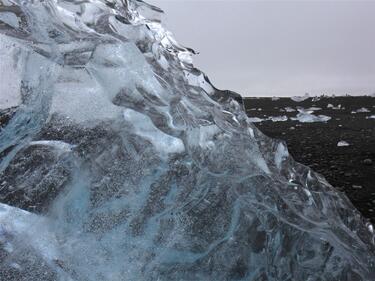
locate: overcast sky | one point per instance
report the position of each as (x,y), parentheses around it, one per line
(279,47)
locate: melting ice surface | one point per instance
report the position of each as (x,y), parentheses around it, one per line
(122,162)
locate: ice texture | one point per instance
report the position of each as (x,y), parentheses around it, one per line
(121,161)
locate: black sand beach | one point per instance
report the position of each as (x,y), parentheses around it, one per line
(350,169)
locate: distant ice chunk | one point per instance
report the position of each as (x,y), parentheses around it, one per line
(300,98)
(289,109)
(313,108)
(343,143)
(310,118)
(307,116)
(334,107)
(255,119)
(278,118)
(270,118)
(362,110)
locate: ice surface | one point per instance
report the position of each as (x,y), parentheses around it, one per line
(121,161)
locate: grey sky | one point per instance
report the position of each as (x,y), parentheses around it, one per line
(279,47)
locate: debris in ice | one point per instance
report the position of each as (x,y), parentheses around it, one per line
(300,98)
(343,143)
(15,266)
(143,126)
(30,228)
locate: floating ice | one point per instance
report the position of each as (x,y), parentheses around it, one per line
(289,109)
(314,108)
(317,98)
(306,116)
(370,117)
(343,143)
(121,161)
(255,119)
(362,110)
(310,118)
(270,118)
(278,118)
(334,107)
(300,98)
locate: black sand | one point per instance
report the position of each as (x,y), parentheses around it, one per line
(350,169)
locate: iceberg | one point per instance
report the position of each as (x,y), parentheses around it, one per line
(119,160)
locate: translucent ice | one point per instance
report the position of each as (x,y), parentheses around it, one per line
(121,161)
